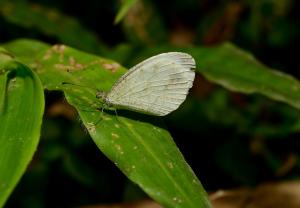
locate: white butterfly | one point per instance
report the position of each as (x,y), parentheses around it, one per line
(156,86)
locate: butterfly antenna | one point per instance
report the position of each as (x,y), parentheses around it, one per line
(68,83)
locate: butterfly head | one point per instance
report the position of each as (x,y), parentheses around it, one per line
(105,101)
(101,95)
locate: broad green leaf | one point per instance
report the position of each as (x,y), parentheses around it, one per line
(125,6)
(239,71)
(137,144)
(22,106)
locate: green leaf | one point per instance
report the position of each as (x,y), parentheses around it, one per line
(139,145)
(125,6)
(22,102)
(26,50)
(239,71)
(52,23)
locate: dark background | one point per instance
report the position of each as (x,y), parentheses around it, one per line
(229,139)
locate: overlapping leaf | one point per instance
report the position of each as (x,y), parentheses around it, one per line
(22,107)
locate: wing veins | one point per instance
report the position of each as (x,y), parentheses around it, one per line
(141,83)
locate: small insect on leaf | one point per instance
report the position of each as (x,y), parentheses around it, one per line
(156,86)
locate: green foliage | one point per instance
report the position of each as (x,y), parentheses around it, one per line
(22,106)
(122,138)
(51,23)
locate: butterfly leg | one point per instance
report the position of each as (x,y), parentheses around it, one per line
(117,117)
(101,116)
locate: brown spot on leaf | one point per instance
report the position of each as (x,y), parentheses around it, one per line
(55,49)
(59,48)
(48,54)
(68,68)
(72,61)
(74,65)
(111,66)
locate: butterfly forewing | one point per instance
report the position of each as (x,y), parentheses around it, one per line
(156,86)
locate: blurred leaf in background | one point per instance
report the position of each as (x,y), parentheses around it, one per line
(51,23)
(143,25)
(125,7)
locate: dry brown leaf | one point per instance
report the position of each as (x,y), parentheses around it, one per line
(269,195)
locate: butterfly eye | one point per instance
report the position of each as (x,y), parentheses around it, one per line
(101,95)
